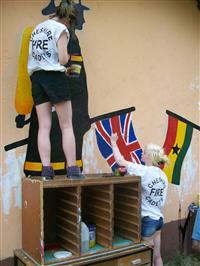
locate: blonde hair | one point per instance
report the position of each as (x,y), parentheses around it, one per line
(156,154)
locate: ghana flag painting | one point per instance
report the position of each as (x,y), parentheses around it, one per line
(177,142)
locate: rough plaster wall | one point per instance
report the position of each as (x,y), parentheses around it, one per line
(150,61)
(137,53)
(15,16)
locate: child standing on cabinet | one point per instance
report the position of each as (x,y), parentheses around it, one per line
(50,85)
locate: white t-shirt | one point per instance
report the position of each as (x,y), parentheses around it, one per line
(154,184)
(43,52)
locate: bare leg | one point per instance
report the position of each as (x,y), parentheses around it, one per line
(157,245)
(155,242)
(148,241)
(64,112)
(44,119)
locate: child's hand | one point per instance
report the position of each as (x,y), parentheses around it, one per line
(113,138)
(73,70)
(68,71)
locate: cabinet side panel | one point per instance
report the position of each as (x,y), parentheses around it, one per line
(31,219)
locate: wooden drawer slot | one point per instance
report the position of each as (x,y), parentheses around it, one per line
(127,224)
(133,218)
(62,221)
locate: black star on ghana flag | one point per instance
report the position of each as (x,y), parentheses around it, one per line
(176,149)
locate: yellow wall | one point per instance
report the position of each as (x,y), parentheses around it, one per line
(137,53)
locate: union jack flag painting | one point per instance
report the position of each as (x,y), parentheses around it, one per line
(119,122)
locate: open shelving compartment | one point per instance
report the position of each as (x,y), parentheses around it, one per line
(127,213)
(61,221)
(96,208)
(50,220)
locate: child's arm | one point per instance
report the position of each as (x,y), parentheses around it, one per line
(62,50)
(132,168)
(118,157)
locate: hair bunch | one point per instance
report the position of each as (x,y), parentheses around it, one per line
(156,154)
(67,10)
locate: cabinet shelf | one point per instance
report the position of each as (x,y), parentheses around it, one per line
(53,210)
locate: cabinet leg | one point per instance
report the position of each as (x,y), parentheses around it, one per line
(17,261)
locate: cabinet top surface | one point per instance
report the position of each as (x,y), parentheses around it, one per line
(91,179)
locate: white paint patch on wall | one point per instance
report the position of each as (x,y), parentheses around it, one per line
(11,181)
(88,154)
(174,190)
(188,175)
(189,172)
(194,86)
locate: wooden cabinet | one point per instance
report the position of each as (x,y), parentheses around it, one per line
(53,210)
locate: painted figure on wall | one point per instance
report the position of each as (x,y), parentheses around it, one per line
(79,95)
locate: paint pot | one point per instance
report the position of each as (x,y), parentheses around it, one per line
(121,171)
(92,235)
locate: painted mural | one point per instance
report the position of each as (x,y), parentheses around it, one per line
(181,134)
(178,138)
(119,122)
(176,145)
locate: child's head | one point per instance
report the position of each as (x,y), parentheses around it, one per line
(66,10)
(154,155)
